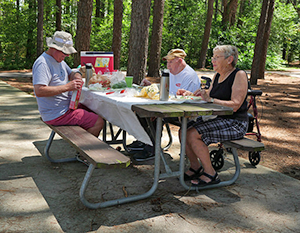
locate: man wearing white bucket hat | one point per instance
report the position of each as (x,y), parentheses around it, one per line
(54,82)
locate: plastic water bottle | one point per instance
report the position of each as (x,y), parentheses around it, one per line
(107,71)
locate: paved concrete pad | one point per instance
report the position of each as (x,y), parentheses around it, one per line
(38,196)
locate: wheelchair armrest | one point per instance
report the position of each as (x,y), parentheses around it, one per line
(254,92)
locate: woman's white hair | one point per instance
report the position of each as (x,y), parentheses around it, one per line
(228,50)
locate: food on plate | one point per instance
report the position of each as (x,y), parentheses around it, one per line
(152,90)
(121,84)
(149,92)
(189,97)
(101,79)
(155,97)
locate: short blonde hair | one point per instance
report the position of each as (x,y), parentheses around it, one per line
(228,50)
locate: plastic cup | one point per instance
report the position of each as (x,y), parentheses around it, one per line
(128,80)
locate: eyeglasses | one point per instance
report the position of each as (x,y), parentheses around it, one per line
(215,58)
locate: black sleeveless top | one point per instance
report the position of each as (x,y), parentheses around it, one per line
(223,91)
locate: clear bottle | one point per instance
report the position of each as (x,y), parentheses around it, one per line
(106,71)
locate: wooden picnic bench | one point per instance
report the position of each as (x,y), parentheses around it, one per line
(98,154)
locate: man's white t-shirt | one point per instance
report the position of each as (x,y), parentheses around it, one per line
(47,71)
(187,79)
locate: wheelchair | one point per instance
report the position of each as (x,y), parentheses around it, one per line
(216,156)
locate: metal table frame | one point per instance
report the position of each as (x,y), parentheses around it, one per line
(158,155)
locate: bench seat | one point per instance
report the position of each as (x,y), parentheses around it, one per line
(245,144)
(97,152)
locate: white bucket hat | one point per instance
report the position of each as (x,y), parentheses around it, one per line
(61,41)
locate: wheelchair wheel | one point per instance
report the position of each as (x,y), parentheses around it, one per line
(254,157)
(217,159)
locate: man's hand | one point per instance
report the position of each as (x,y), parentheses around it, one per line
(46,91)
(203,94)
(75,75)
(145,82)
(75,84)
(184,92)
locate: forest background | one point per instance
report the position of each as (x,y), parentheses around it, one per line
(140,32)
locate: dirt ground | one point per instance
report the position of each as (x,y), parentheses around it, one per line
(279,114)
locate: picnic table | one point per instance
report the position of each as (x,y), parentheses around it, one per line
(122,111)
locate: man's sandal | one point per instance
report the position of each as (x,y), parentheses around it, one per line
(195,175)
(213,180)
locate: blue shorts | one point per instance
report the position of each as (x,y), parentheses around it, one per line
(219,129)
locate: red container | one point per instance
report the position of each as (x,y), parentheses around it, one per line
(99,60)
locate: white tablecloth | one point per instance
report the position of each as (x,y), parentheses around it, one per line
(116,109)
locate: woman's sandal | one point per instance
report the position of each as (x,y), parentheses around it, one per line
(195,175)
(213,180)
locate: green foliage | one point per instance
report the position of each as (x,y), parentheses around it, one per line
(184,23)
(183,27)
(274,61)
(13,36)
(284,33)
(102,32)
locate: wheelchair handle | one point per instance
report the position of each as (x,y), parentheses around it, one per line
(254,92)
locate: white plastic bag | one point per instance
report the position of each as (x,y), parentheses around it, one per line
(117,80)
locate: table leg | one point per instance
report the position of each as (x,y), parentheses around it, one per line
(152,136)
(91,168)
(182,160)
(182,152)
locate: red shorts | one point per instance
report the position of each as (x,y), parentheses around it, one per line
(82,116)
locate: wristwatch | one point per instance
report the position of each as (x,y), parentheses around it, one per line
(212,100)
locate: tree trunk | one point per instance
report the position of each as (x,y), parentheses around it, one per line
(40,31)
(156,39)
(205,38)
(18,10)
(262,40)
(216,10)
(99,13)
(117,32)
(230,9)
(84,27)
(30,46)
(58,15)
(241,13)
(138,41)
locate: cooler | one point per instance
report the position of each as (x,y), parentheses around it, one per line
(99,60)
